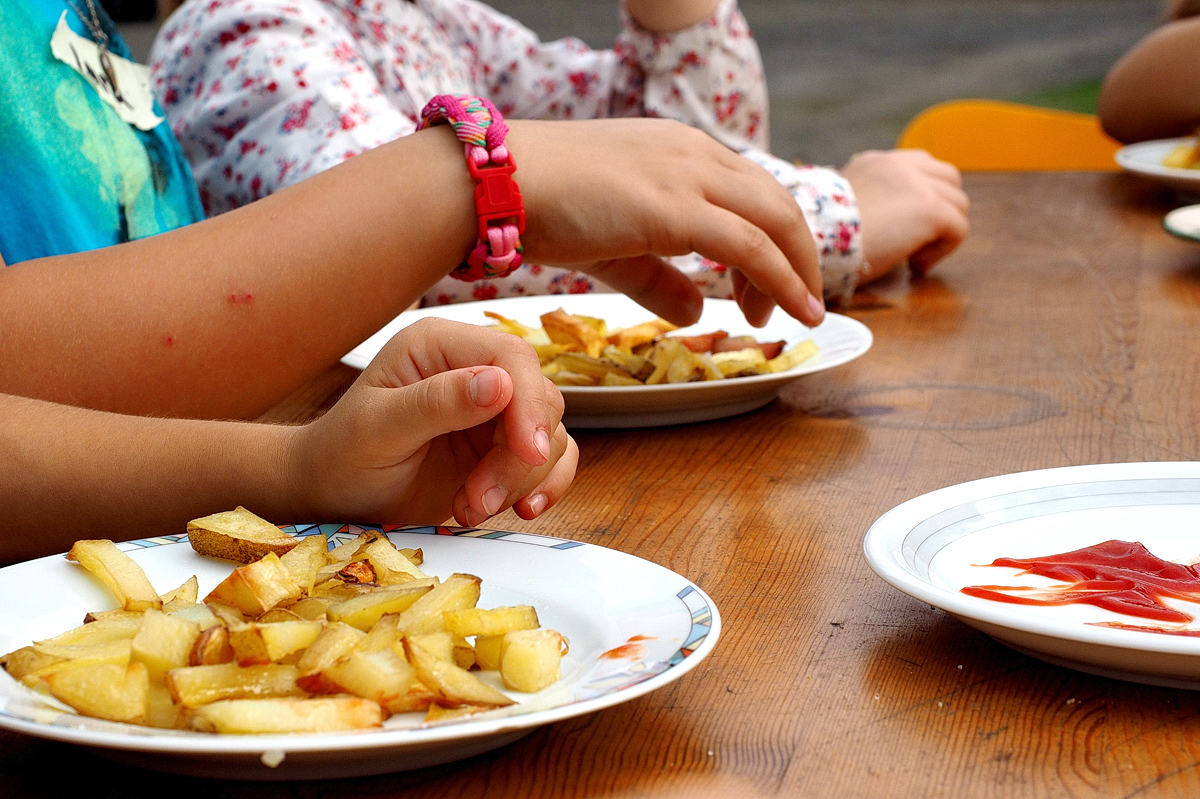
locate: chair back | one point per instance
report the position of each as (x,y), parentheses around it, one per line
(990,135)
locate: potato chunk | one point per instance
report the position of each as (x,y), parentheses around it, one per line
(263,716)
(530,660)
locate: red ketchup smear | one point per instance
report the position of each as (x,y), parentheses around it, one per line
(1119,576)
(634,650)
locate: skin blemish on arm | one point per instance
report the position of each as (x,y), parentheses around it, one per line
(168,340)
(241,298)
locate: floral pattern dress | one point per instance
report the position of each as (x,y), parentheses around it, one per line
(264,93)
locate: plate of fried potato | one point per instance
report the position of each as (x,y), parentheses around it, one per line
(1163,160)
(361,649)
(618,366)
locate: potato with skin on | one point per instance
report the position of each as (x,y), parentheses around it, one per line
(237,535)
(119,572)
(530,660)
(116,693)
(257,587)
(163,643)
(574,331)
(212,647)
(266,716)
(200,685)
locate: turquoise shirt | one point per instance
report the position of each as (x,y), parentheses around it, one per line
(73,175)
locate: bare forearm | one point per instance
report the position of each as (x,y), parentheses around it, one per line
(666,16)
(68,473)
(225,318)
(1154,90)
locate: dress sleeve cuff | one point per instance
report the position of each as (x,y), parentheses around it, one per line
(829,207)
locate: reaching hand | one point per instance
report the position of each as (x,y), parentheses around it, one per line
(632,191)
(912,206)
(448,418)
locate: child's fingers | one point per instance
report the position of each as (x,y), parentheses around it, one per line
(435,345)
(655,285)
(501,478)
(444,403)
(754,195)
(550,490)
(729,239)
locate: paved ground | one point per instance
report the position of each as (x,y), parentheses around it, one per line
(845,75)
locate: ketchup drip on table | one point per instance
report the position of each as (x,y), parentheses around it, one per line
(1120,576)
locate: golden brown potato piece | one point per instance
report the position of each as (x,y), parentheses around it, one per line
(238,535)
(263,716)
(199,685)
(118,571)
(453,685)
(574,332)
(116,693)
(530,659)
(257,587)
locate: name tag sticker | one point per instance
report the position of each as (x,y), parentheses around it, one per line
(129,94)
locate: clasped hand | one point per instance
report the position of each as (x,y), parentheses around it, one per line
(447,419)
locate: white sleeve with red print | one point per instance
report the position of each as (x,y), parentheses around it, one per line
(264,93)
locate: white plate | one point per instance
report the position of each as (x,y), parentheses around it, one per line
(1184,222)
(1146,159)
(839,339)
(633,627)
(927,547)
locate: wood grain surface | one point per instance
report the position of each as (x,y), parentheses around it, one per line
(1065,331)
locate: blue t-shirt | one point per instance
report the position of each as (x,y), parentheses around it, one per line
(73,175)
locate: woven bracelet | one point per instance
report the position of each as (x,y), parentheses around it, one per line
(498,205)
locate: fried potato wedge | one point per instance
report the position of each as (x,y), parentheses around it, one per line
(305,559)
(266,716)
(426,614)
(237,535)
(496,621)
(199,685)
(164,642)
(116,693)
(453,685)
(365,610)
(530,660)
(118,572)
(256,587)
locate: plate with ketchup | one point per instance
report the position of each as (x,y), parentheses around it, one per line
(1095,568)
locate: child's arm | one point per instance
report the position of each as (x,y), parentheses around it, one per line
(415,439)
(225,318)
(1153,91)
(667,16)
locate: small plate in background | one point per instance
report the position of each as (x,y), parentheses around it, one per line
(1184,223)
(1146,159)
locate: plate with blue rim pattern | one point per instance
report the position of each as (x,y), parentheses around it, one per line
(633,627)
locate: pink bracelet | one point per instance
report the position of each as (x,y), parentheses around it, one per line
(481,129)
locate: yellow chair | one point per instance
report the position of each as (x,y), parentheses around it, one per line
(989,135)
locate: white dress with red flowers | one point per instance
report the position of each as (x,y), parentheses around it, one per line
(264,93)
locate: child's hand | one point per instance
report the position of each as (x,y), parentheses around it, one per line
(912,206)
(420,436)
(632,191)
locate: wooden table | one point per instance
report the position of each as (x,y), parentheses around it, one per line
(1065,331)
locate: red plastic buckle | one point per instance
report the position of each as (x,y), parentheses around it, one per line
(497,196)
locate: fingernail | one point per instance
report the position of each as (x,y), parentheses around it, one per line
(493,499)
(542,441)
(537,503)
(485,388)
(816,305)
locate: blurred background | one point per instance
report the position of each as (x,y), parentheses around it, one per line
(846,75)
